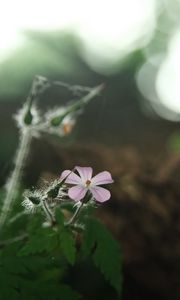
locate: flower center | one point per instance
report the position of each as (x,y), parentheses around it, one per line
(88,182)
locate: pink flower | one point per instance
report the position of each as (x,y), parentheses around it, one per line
(85,182)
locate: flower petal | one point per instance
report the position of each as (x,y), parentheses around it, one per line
(100,194)
(77,192)
(72,178)
(102,178)
(85,173)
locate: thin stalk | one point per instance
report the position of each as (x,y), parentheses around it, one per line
(56,121)
(73,88)
(48,212)
(14,180)
(76,214)
(17,216)
(13,240)
(92,93)
(23,149)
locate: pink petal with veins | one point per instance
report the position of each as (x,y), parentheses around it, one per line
(85,173)
(100,194)
(102,178)
(72,178)
(77,192)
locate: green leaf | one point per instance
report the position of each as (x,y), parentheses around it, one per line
(15,265)
(59,217)
(67,293)
(27,278)
(48,290)
(44,240)
(8,285)
(12,272)
(89,239)
(105,252)
(67,244)
(48,239)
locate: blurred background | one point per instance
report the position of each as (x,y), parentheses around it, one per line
(132,130)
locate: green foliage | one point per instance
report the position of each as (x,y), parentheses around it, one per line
(59,218)
(34,268)
(105,251)
(67,245)
(59,239)
(24,278)
(43,240)
(66,293)
(44,53)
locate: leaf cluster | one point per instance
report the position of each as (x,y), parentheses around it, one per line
(105,251)
(36,267)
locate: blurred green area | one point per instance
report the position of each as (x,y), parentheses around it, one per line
(49,54)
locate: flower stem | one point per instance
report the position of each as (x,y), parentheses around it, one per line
(76,214)
(48,212)
(74,88)
(14,180)
(22,151)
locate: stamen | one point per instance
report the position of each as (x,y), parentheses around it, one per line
(88,182)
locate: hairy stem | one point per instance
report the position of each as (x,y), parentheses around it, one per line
(73,88)
(48,212)
(76,214)
(22,151)
(14,180)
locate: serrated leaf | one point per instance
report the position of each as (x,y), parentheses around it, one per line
(89,240)
(105,252)
(67,244)
(26,278)
(43,240)
(11,269)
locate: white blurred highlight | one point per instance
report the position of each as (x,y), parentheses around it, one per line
(18,15)
(159,81)
(109,30)
(168,77)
